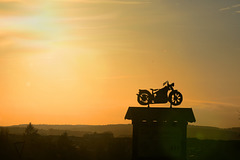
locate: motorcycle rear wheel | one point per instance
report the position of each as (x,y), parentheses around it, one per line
(175,98)
(144,98)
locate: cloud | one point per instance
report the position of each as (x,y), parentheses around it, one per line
(22,7)
(22,41)
(11,1)
(229,7)
(105,1)
(116,77)
(214,103)
(235,6)
(88,1)
(224,9)
(212,113)
(96,17)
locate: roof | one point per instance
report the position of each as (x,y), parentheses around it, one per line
(162,114)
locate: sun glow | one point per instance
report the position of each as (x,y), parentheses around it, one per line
(83,61)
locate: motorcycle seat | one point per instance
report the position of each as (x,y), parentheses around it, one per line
(153,89)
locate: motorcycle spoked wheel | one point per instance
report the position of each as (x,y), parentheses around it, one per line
(144,98)
(175,98)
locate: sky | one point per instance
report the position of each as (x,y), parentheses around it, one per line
(83,61)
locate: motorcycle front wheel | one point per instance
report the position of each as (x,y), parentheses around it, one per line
(144,98)
(175,98)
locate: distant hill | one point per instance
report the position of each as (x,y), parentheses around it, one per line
(125,130)
(203,132)
(119,130)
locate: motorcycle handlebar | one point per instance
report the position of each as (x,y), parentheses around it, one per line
(166,82)
(169,85)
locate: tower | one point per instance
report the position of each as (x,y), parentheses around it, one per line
(159,133)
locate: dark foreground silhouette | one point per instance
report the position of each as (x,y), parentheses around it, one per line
(98,146)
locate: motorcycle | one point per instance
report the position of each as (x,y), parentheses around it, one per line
(144,97)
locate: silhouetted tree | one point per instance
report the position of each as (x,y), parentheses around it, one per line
(30,130)
(4,133)
(31,135)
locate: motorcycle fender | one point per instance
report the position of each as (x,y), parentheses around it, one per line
(144,90)
(175,91)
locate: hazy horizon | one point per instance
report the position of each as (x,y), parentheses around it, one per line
(83,61)
(25,124)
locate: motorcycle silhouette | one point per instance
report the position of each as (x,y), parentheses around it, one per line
(144,97)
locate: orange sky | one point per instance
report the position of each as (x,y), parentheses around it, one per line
(83,61)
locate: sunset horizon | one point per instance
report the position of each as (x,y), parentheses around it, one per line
(84,61)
